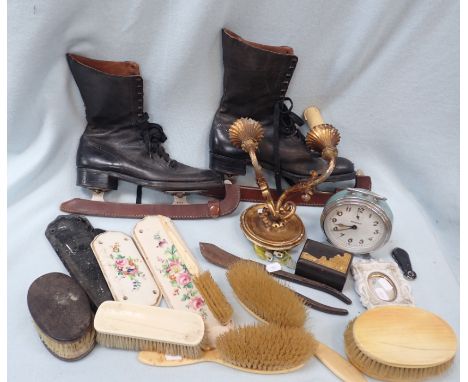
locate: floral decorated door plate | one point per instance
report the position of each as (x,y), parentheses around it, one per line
(124,269)
(173,267)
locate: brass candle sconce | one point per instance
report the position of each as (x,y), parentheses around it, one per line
(274,225)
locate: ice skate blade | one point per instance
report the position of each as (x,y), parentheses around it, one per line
(211,209)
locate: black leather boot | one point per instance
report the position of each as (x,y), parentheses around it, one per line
(256,78)
(119,142)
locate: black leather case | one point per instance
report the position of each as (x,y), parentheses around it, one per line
(71,236)
(324,263)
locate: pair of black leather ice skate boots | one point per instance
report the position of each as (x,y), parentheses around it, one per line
(119,142)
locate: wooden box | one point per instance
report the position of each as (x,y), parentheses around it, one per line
(324,263)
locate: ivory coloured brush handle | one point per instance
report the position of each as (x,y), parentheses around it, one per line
(159,359)
(338,365)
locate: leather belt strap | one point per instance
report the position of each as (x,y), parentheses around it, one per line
(212,209)
(318,199)
(253,194)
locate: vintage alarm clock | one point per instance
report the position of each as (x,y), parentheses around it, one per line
(357,220)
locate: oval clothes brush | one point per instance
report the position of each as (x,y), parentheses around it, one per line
(260,349)
(127,326)
(62,315)
(270,301)
(400,343)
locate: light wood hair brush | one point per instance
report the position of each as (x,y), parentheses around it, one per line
(270,301)
(260,349)
(400,343)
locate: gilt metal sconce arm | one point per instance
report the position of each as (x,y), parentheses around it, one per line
(274,224)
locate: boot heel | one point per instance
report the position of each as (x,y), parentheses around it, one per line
(96,180)
(227,165)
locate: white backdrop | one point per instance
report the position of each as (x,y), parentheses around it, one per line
(385,73)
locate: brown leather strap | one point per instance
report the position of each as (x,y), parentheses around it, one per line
(211,209)
(254,195)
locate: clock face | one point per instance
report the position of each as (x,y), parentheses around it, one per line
(354,228)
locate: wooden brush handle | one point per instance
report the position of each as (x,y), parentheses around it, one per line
(338,365)
(312,284)
(312,304)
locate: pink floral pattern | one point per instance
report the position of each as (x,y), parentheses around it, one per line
(126,267)
(173,268)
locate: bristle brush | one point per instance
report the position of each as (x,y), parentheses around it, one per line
(260,349)
(270,301)
(214,297)
(400,343)
(62,316)
(256,289)
(139,327)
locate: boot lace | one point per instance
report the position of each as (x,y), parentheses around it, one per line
(287,119)
(285,122)
(153,136)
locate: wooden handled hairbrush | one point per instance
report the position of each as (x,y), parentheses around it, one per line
(270,301)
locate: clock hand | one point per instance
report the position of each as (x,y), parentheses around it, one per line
(344,227)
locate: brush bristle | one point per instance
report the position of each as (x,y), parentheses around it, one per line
(214,297)
(266,347)
(385,372)
(264,296)
(130,343)
(69,351)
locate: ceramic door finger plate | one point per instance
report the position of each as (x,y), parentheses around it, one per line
(173,267)
(125,270)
